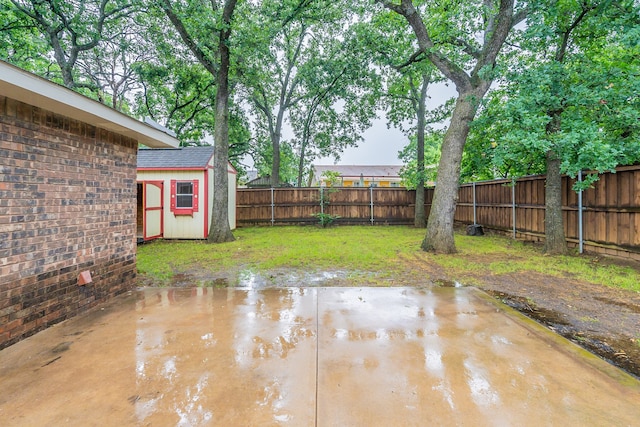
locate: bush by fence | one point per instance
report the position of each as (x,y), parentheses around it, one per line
(610,210)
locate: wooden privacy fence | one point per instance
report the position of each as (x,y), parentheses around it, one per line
(607,217)
(371,205)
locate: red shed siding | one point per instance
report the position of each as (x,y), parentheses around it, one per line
(67,204)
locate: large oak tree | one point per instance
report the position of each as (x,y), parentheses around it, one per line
(569,101)
(206,32)
(463,40)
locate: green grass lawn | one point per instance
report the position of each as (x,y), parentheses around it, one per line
(371,255)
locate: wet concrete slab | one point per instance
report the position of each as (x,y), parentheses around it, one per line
(308,356)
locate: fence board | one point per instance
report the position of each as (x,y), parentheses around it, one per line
(636,189)
(624,229)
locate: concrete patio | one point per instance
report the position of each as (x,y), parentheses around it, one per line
(308,356)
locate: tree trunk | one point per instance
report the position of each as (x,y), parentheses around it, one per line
(275,142)
(471,89)
(439,237)
(275,166)
(303,149)
(219,229)
(420,219)
(66,68)
(555,242)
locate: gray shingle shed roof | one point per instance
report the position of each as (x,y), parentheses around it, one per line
(182,158)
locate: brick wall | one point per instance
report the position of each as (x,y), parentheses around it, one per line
(67,204)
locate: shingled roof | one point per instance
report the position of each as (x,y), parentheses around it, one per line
(183,158)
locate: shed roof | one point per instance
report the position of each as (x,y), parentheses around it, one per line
(34,90)
(391,171)
(175,158)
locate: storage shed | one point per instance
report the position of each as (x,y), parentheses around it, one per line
(175,193)
(67,202)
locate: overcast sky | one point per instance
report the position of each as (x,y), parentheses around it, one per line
(381,145)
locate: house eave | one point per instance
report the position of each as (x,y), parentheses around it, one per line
(195,168)
(34,90)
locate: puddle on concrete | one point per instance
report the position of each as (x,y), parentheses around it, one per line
(256,280)
(310,356)
(448,283)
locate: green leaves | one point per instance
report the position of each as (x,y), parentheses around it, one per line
(71,29)
(410,173)
(20,41)
(579,69)
(308,71)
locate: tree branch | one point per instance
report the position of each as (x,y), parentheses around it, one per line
(200,55)
(302,4)
(501,25)
(467,48)
(452,71)
(417,56)
(566,36)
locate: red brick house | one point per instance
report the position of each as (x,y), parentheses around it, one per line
(67,202)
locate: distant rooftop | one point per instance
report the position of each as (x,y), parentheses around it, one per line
(184,157)
(358,170)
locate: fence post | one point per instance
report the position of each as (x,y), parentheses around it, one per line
(580,230)
(273,206)
(371,196)
(513,201)
(474,204)
(322,200)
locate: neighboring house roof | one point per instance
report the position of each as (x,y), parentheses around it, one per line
(34,90)
(379,171)
(175,158)
(260,182)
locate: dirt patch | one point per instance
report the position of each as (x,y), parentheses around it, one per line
(279,277)
(602,320)
(617,347)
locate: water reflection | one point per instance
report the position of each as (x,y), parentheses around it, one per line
(189,410)
(221,339)
(482,392)
(248,357)
(256,280)
(162,365)
(439,350)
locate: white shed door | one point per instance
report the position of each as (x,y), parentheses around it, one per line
(153,209)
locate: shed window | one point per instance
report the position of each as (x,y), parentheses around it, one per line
(184,197)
